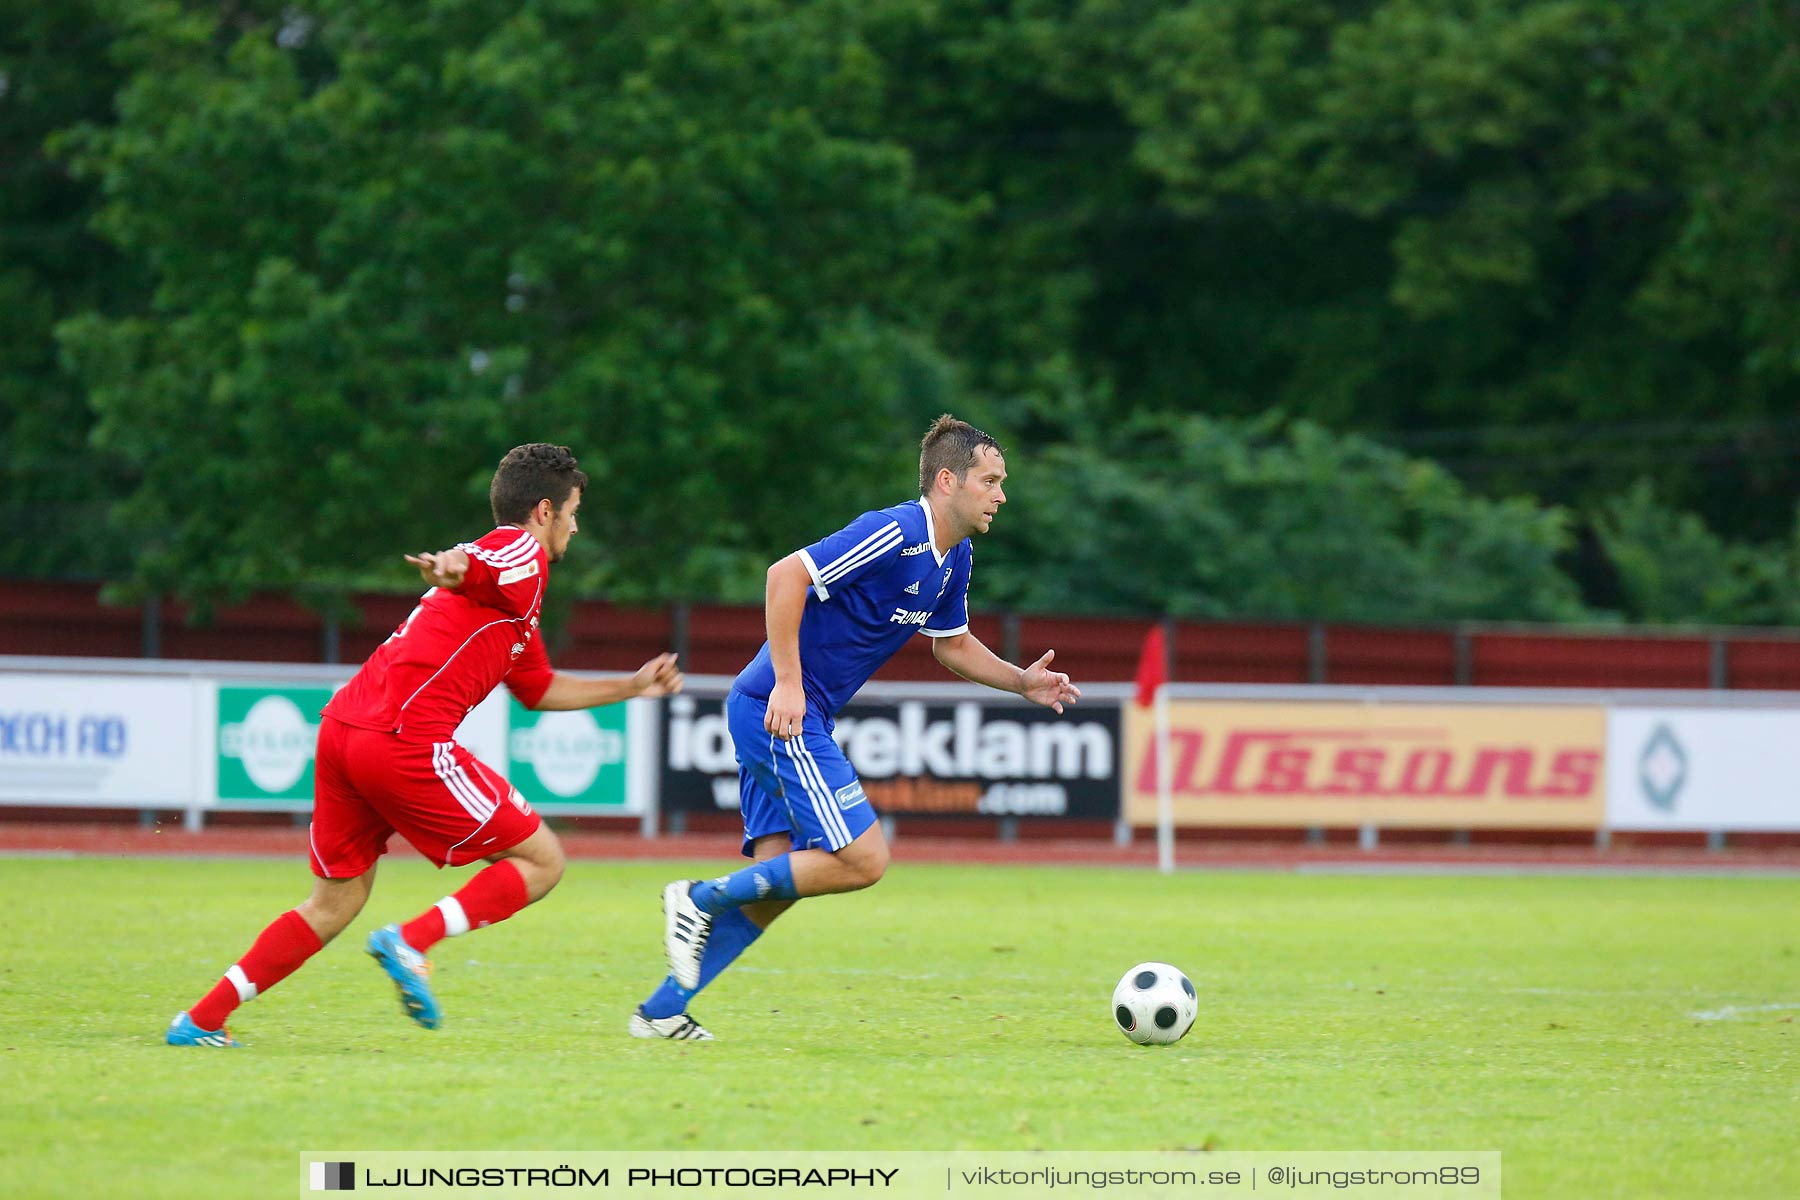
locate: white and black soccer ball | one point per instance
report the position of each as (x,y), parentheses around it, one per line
(1155,1004)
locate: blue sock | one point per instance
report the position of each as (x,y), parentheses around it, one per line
(769,880)
(732,933)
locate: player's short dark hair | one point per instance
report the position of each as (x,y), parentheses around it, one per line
(529,473)
(950,443)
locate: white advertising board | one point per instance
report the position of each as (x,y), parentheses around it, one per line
(68,740)
(1703,769)
(243,739)
(483,732)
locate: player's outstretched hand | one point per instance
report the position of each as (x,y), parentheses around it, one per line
(658,677)
(787,710)
(444,569)
(1051,689)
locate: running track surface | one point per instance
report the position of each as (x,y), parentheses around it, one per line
(75,838)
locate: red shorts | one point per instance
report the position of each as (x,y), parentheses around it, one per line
(450,805)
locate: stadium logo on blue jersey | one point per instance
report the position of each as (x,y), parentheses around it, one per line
(850,795)
(909,551)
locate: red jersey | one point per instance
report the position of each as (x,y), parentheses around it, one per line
(456,645)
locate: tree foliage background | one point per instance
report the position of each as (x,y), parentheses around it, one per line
(1367,309)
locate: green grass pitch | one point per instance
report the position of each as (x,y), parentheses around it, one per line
(1611,1036)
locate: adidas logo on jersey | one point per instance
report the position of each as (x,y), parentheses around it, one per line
(913,590)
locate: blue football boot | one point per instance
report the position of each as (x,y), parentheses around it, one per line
(410,971)
(183,1032)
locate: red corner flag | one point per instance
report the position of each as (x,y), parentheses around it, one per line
(1153,666)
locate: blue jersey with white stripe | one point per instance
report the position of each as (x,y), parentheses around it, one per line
(875,583)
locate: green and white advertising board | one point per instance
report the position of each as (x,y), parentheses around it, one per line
(571,761)
(593,762)
(265,742)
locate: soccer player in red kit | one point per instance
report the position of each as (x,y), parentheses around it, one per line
(388,761)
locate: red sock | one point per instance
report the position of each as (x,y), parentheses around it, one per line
(492,896)
(278,952)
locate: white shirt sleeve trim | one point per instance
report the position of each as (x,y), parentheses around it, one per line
(963,628)
(870,549)
(812,569)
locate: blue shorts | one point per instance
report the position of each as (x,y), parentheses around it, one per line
(803,787)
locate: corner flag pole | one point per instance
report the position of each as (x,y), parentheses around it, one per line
(1165,801)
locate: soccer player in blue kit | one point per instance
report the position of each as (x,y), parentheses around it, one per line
(836,611)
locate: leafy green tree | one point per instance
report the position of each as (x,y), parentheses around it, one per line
(1001,119)
(387,244)
(738,255)
(1205,518)
(1673,569)
(52,74)
(1543,240)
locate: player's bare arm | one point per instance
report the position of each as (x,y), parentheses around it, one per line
(658,677)
(965,654)
(783,605)
(444,569)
